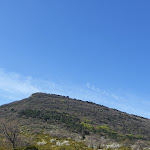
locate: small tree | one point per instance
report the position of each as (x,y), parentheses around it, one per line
(10,131)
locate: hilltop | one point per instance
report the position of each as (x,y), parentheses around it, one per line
(82,121)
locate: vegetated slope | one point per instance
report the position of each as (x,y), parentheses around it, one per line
(78,116)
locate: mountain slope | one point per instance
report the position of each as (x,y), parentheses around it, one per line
(77,117)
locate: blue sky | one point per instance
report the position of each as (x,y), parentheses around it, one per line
(92,50)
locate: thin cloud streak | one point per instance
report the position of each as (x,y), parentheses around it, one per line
(13,87)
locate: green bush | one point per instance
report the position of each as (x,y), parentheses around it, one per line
(27,148)
(31,148)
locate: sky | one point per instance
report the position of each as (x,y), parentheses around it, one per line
(90,50)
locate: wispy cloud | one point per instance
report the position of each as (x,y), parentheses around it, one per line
(14,86)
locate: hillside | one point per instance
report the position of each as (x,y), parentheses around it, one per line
(67,118)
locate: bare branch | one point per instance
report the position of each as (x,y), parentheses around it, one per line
(10,131)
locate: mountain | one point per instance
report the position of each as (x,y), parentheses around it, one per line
(62,117)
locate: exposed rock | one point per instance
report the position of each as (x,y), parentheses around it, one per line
(58,143)
(41,143)
(113,145)
(53,140)
(66,142)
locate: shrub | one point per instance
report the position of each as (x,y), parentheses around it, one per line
(27,148)
(31,148)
